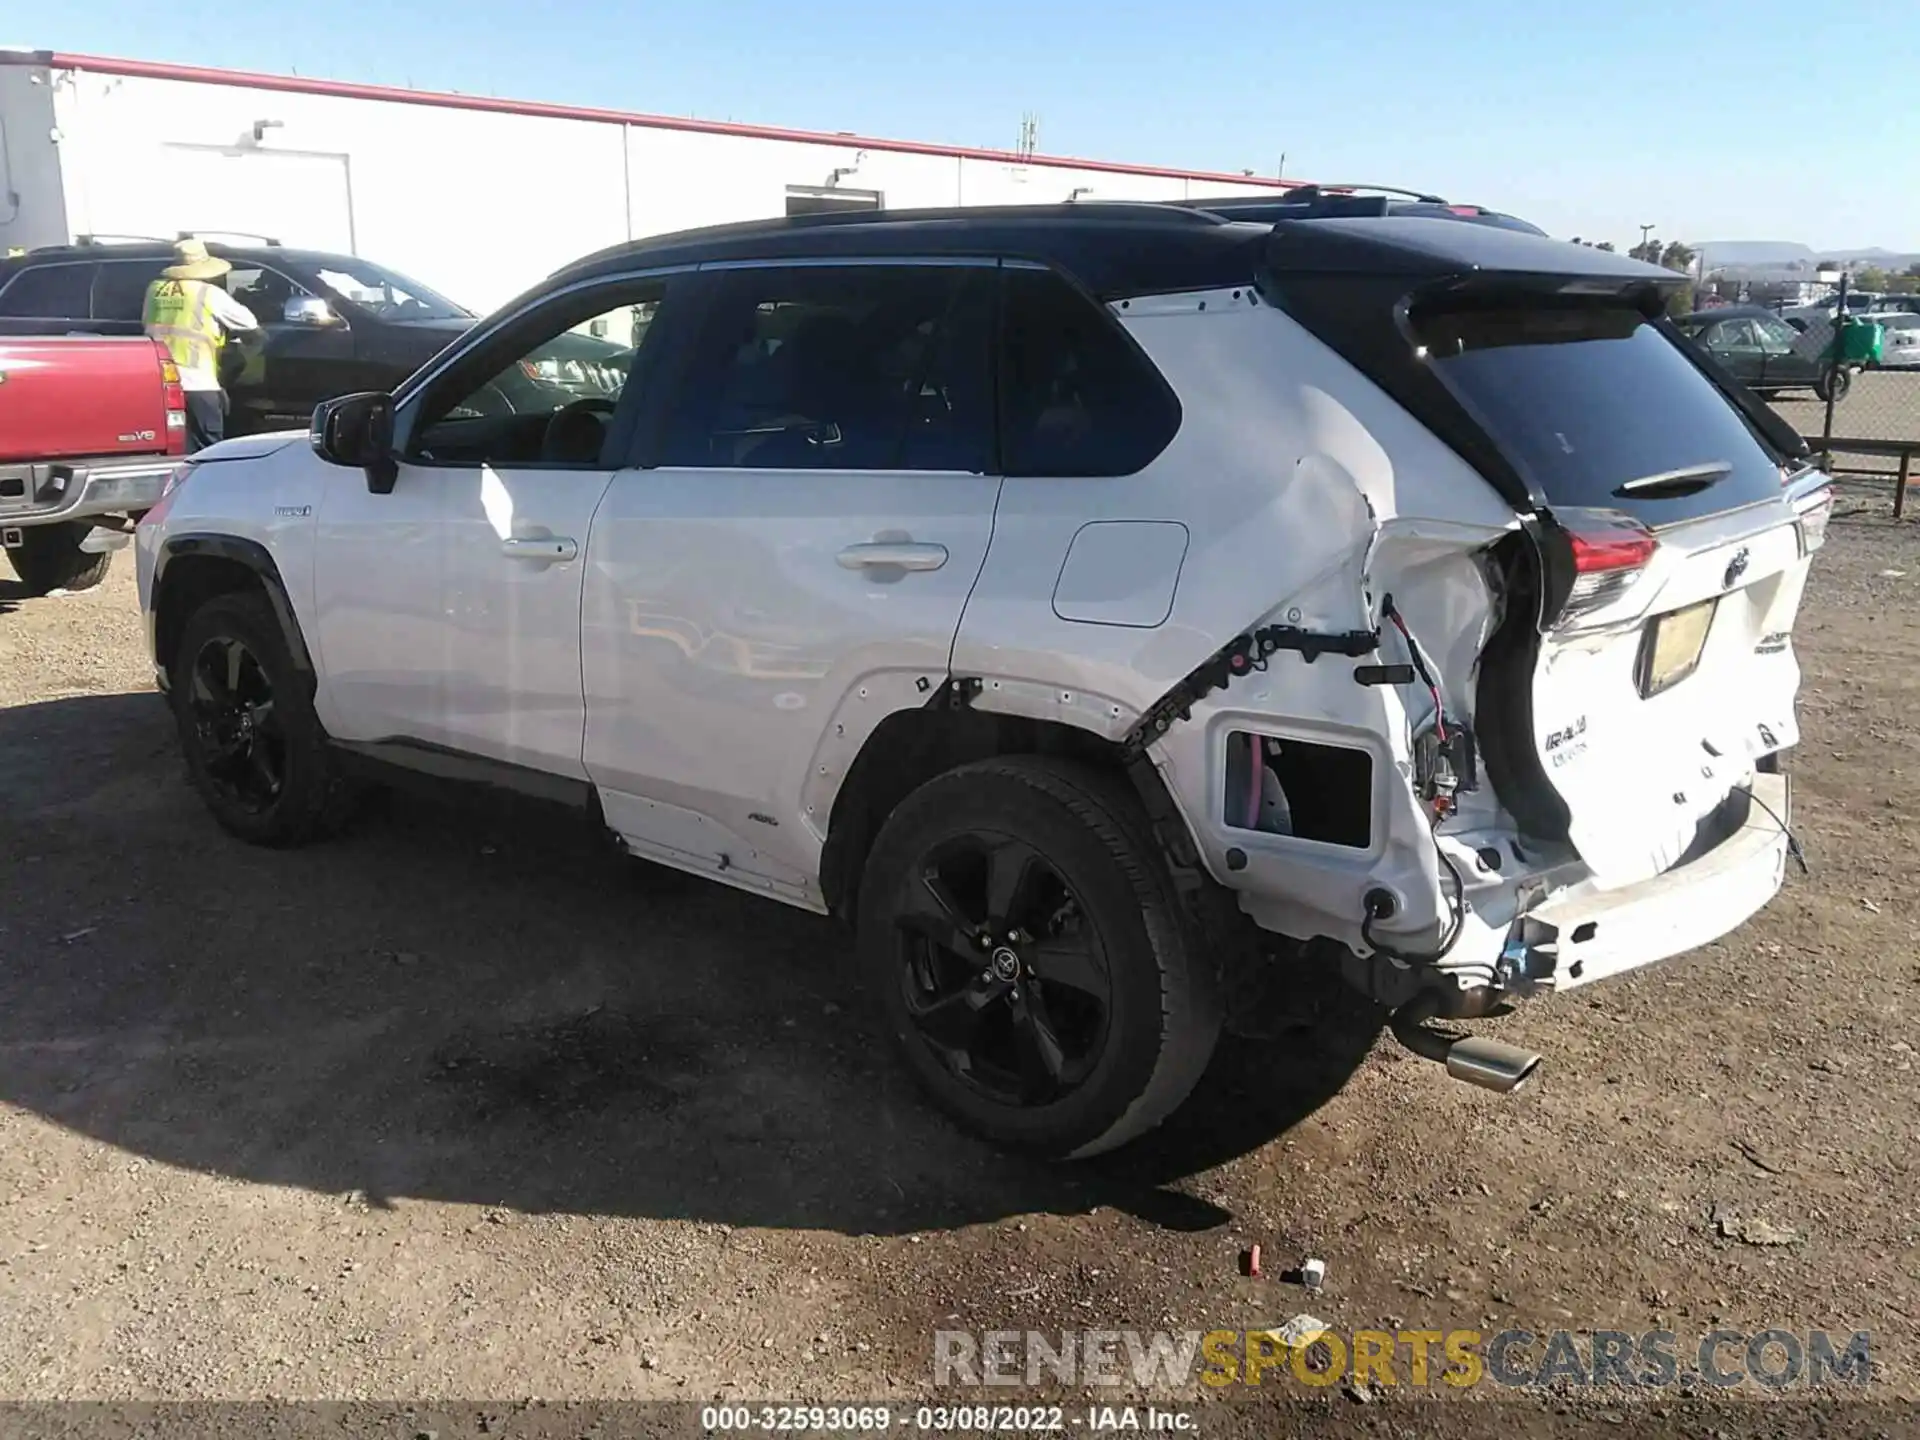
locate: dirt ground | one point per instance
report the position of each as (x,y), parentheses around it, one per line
(1882,405)
(461,1107)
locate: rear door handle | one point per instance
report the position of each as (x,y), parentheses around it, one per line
(548,550)
(893,555)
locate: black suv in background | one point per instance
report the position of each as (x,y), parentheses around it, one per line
(329,324)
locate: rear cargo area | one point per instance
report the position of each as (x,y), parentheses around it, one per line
(1642,663)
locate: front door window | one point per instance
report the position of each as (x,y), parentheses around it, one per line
(552,401)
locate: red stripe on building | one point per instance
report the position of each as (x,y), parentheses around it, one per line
(348,90)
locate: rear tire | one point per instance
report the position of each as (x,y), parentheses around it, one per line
(49,558)
(1089,1011)
(1835,384)
(254,748)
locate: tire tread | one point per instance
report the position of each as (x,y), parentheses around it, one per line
(1190,1002)
(51,559)
(312,810)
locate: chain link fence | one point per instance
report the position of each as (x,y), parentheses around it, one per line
(1867,425)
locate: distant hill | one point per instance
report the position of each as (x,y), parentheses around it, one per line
(1756,252)
(1781,253)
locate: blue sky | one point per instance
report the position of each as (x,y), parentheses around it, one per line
(1719,119)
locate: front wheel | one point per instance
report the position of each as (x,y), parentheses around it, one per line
(253,746)
(49,558)
(1030,959)
(1835,384)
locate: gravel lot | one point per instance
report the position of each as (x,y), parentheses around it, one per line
(460,1106)
(1882,405)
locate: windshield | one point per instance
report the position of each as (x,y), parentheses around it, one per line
(1583,399)
(390,296)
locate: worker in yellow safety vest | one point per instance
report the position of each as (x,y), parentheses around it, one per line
(189,312)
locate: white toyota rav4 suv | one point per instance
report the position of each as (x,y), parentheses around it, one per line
(1089,602)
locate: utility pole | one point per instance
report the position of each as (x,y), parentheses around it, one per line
(1645,230)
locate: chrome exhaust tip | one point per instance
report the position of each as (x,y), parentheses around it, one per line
(1491,1065)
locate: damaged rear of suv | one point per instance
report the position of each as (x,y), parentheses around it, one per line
(1516,568)
(1549,751)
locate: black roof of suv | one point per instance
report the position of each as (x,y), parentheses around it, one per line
(1114,248)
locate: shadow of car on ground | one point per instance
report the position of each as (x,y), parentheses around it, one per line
(481,1005)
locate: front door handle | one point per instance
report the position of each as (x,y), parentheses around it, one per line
(548,550)
(893,555)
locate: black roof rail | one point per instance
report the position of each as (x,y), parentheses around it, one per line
(1074,211)
(1079,215)
(228,234)
(1326,202)
(109,239)
(1115,250)
(1315,206)
(1313,192)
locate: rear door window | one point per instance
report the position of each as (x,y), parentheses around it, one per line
(120,288)
(1077,396)
(858,367)
(50,292)
(1584,399)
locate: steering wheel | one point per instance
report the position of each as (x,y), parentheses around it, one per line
(564,433)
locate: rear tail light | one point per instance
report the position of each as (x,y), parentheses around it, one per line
(1811,515)
(174,397)
(1601,555)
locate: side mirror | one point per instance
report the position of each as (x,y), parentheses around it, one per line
(357,431)
(308,310)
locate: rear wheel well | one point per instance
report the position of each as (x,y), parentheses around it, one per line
(187,583)
(911,747)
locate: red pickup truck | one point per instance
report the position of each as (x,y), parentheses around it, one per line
(90,427)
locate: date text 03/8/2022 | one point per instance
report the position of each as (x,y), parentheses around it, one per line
(945,1419)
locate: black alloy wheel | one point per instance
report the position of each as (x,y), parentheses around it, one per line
(243,747)
(243,706)
(1030,957)
(1001,976)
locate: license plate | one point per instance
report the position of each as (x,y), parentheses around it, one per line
(1672,646)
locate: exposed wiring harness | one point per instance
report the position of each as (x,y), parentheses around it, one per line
(1419,664)
(1373,911)
(1793,845)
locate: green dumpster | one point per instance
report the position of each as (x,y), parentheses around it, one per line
(1861,339)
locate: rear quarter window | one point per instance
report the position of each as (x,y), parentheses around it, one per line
(1078,397)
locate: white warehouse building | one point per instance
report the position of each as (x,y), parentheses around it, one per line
(430,184)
